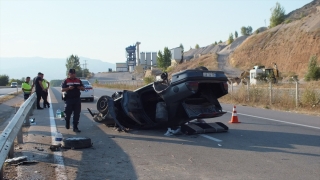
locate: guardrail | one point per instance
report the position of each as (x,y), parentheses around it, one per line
(14,130)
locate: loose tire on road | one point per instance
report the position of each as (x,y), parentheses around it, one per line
(102,104)
(76,142)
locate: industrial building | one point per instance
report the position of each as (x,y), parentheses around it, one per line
(134,58)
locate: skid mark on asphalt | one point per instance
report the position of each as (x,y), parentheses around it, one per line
(269,119)
(57,155)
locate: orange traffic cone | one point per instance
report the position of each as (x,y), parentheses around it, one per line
(234,117)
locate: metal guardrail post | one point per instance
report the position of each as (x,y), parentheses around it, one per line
(297,90)
(297,94)
(248,91)
(20,136)
(270,86)
(11,151)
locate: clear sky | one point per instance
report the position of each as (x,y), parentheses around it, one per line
(102,29)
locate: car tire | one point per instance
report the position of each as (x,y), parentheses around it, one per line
(102,104)
(76,142)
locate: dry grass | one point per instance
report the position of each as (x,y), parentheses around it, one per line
(118,86)
(8,97)
(282,98)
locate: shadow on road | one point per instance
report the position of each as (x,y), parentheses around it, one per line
(104,160)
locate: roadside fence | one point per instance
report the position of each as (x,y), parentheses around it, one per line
(274,93)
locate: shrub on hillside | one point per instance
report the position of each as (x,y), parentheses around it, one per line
(149,79)
(230,39)
(313,69)
(288,21)
(310,97)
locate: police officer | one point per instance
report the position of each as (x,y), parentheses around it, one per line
(37,82)
(72,86)
(26,88)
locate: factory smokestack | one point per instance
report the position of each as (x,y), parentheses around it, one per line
(138,53)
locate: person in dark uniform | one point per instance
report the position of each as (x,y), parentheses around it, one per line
(37,82)
(72,86)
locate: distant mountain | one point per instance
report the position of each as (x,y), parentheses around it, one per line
(52,68)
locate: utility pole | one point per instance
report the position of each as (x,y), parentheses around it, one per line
(83,69)
(85,64)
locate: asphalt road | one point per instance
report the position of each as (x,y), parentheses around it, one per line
(265,145)
(6,91)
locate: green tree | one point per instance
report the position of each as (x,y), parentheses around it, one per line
(230,39)
(236,34)
(246,31)
(73,62)
(215,43)
(220,41)
(164,59)
(4,80)
(197,46)
(160,61)
(249,30)
(243,31)
(167,57)
(277,15)
(313,69)
(182,51)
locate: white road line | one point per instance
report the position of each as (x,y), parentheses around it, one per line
(211,138)
(314,127)
(57,155)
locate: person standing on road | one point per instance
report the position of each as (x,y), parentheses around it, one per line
(37,82)
(26,88)
(46,86)
(72,86)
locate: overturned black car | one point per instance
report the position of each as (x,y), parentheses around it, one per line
(191,94)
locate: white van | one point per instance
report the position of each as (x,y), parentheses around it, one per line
(14,84)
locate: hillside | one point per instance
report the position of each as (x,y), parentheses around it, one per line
(304,11)
(289,45)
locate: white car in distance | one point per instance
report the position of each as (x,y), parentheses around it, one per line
(87,94)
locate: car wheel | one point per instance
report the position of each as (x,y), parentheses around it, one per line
(76,142)
(102,104)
